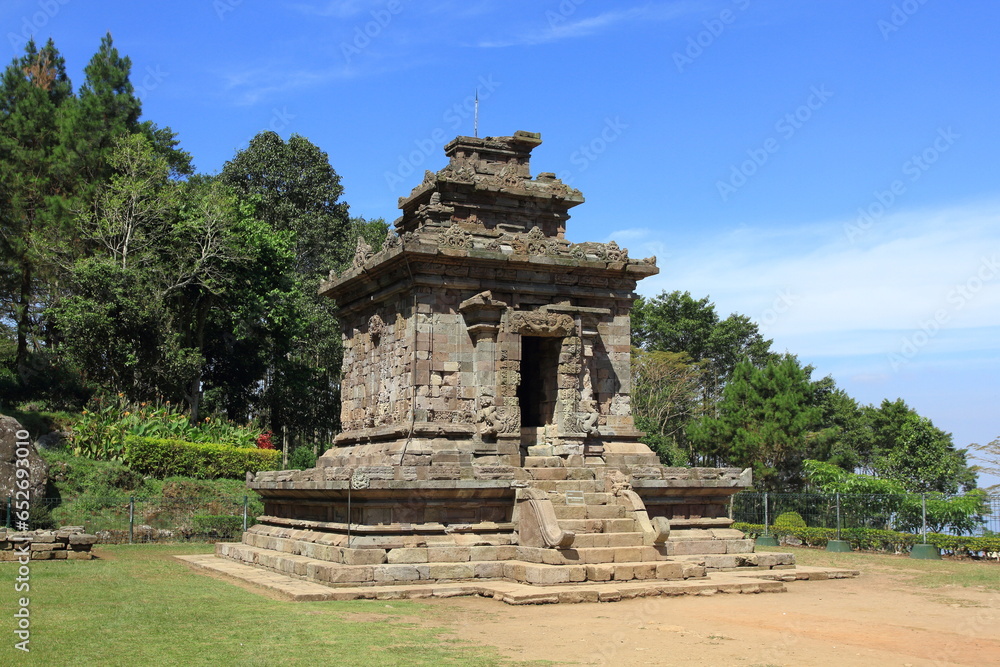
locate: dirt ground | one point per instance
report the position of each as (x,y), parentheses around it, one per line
(880,618)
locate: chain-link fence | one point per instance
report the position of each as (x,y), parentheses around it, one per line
(128,519)
(971,514)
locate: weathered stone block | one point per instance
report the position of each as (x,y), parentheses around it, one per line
(407,555)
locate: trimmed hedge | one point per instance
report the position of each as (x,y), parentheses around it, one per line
(873,539)
(177,458)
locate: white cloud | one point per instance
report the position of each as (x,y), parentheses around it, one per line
(558,26)
(812,286)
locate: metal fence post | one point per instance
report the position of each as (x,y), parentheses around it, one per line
(923,517)
(246,502)
(131,517)
(767,529)
(838,515)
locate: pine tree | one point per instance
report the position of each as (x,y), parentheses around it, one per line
(34,184)
(766,420)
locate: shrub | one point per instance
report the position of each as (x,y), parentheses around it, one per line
(168,458)
(302,458)
(873,539)
(100,431)
(790,520)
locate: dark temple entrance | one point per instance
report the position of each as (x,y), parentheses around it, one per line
(539,388)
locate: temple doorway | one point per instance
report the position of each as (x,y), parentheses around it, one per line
(538,391)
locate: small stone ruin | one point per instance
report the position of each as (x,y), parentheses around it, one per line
(65,543)
(487,428)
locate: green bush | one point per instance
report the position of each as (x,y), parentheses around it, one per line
(302,458)
(168,458)
(790,520)
(873,539)
(217,525)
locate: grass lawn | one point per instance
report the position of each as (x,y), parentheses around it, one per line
(138,606)
(923,573)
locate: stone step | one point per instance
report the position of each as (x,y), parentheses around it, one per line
(583,540)
(589,511)
(399,573)
(564,498)
(563,485)
(592,555)
(579,526)
(741,562)
(506,591)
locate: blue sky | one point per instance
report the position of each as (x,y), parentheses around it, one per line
(827,168)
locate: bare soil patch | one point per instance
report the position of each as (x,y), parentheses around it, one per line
(888,616)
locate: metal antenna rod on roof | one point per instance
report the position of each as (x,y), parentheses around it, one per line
(475,127)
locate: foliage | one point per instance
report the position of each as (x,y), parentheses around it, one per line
(882,502)
(766,419)
(164,458)
(666,387)
(34,182)
(100,431)
(989,454)
(302,458)
(908,448)
(694,355)
(873,539)
(790,520)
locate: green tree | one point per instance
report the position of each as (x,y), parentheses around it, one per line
(850,440)
(908,448)
(767,420)
(666,388)
(33,188)
(297,341)
(676,323)
(989,454)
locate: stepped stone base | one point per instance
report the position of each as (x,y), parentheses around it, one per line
(551,524)
(299,590)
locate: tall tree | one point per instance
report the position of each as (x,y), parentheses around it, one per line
(678,324)
(908,448)
(105,110)
(294,189)
(33,185)
(989,455)
(666,387)
(767,420)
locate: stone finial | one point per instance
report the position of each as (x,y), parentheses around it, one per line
(362,253)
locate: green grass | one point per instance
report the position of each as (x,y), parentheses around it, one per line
(138,606)
(923,573)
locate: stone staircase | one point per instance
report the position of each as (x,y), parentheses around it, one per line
(602,534)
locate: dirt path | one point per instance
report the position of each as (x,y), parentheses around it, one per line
(878,619)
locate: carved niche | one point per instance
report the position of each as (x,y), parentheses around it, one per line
(533,323)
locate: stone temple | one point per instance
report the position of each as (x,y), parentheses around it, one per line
(488,440)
